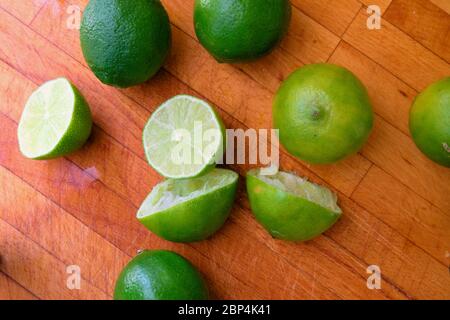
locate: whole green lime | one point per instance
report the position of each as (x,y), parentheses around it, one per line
(125,43)
(289,207)
(241,30)
(160,275)
(323,113)
(429,122)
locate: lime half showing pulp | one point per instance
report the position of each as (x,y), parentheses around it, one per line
(190,209)
(291,208)
(56,121)
(184,138)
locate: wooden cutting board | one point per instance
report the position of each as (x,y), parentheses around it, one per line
(79,211)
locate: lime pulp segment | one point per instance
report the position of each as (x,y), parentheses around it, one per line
(183,138)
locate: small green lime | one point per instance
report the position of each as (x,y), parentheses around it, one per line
(429,122)
(160,275)
(55,122)
(125,43)
(241,30)
(323,113)
(190,210)
(289,207)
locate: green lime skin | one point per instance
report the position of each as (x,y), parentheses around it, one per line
(196,219)
(241,30)
(323,113)
(125,43)
(286,216)
(160,275)
(429,122)
(78,132)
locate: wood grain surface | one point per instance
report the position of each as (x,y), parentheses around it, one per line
(80,210)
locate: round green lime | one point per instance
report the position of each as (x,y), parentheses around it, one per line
(190,210)
(160,275)
(289,207)
(429,122)
(241,30)
(55,122)
(323,113)
(125,43)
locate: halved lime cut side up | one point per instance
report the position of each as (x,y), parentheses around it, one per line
(290,207)
(190,210)
(184,138)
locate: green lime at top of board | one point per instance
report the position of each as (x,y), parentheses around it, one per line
(160,275)
(429,122)
(125,43)
(189,210)
(289,207)
(241,30)
(184,138)
(323,113)
(55,122)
